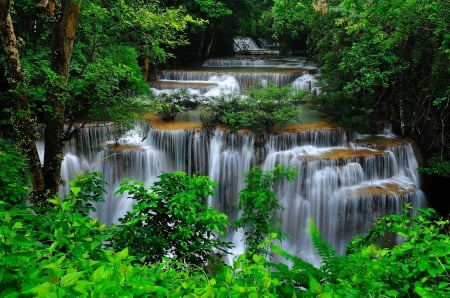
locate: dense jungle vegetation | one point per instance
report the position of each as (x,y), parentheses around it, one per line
(65,63)
(163,249)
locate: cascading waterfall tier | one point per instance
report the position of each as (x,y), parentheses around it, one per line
(245,79)
(236,74)
(342,185)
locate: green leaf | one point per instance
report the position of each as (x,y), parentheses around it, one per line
(315,286)
(70,279)
(17,225)
(99,274)
(75,190)
(123,254)
(46,289)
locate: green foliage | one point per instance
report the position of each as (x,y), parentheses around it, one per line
(255,17)
(260,110)
(13,174)
(85,189)
(152,29)
(259,207)
(296,279)
(347,110)
(289,18)
(436,166)
(172,218)
(104,89)
(168,105)
(417,267)
(48,252)
(383,60)
(213,9)
(59,251)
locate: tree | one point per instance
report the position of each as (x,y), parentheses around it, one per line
(62,84)
(290,24)
(382,62)
(24,122)
(255,18)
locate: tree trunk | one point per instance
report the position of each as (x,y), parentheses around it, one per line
(212,39)
(24,123)
(63,39)
(45,179)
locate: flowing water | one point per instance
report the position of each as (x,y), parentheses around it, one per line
(344,181)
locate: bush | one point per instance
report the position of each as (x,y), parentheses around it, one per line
(260,110)
(14,177)
(172,218)
(259,207)
(60,252)
(417,267)
(168,105)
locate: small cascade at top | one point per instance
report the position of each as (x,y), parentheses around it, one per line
(236,74)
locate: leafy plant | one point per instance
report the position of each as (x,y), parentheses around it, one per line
(260,110)
(172,218)
(48,252)
(259,207)
(436,166)
(14,178)
(418,266)
(168,105)
(85,189)
(297,280)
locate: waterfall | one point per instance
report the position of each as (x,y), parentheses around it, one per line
(236,74)
(245,44)
(343,183)
(245,79)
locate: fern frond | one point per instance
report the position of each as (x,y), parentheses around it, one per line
(323,248)
(330,259)
(295,278)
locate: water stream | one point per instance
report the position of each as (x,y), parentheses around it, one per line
(344,182)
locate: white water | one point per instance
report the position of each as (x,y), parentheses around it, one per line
(342,196)
(330,192)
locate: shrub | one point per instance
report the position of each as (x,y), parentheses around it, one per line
(260,110)
(417,267)
(14,179)
(259,207)
(168,105)
(172,218)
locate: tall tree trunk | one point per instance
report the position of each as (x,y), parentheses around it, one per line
(45,179)
(64,33)
(24,123)
(212,39)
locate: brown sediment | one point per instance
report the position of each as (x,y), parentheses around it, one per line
(383,190)
(174,125)
(238,70)
(156,123)
(124,147)
(382,143)
(341,154)
(182,84)
(319,125)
